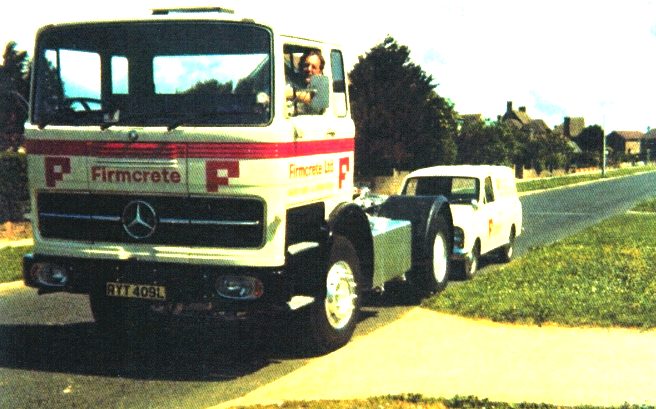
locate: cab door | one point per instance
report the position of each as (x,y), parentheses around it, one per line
(323,138)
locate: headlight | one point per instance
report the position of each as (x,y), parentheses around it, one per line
(239,287)
(458,237)
(51,275)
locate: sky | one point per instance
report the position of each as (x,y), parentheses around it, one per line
(557,58)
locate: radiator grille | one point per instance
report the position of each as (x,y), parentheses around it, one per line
(188,221)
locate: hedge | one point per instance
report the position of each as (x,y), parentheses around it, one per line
(14,194)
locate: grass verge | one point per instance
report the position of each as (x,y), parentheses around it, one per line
(550,183)
(11,259)
(603,276)
(418,401)
(648,206)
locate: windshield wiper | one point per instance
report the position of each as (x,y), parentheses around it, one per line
(204,116)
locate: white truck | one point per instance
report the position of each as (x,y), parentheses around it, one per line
(172,175)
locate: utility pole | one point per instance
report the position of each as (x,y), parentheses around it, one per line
(603,153)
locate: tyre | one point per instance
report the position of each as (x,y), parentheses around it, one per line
(470,265)
(506,252)
(332,318)
(433,275)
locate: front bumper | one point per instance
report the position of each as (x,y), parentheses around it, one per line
(185,285)
(460,254)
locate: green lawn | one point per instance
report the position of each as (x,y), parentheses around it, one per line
(550,183)
(11,259)
(648,206)
(603,276)
(417,401)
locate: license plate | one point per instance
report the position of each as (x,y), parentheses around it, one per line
(143,291)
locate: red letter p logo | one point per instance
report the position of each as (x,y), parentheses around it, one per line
(56,168)
(218,173)
(344,168)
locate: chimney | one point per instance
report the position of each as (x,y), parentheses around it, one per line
(566,127)
(509,106)
(522,109)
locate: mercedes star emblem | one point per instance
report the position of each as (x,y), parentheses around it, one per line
(139,219)
(133,136)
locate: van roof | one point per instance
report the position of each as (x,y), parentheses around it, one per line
(462,170)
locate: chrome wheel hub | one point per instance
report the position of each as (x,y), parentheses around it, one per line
(341,295)
(440,258)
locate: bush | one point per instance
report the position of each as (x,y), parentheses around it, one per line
(13,186)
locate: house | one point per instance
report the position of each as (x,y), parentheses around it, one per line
(571,127)
(627,142)
(468,119)
(517,119)
(648,146)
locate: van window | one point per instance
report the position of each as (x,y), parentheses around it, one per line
(489,190)
(455,189)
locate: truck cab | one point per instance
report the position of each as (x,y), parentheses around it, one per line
(185,163)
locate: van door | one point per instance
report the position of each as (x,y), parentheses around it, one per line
(489,212)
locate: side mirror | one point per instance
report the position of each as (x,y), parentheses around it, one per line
(320,99)
(474,204)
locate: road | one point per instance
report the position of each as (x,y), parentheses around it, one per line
(52,357)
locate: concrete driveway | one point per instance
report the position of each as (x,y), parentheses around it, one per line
(439,355)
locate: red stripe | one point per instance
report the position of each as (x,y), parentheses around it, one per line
(56,148)
(191,150)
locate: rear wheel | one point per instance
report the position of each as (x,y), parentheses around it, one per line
(433,276)
(333,316)
(506,252)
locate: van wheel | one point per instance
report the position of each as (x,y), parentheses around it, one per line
(433,276)
(470,265)
(332,318)
(506,252)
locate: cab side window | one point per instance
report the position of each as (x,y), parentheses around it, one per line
(306,88)
(339,83)
(489,190)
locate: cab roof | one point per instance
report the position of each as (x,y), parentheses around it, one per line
(278,26)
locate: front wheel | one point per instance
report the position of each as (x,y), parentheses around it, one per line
(470,265)
(333,316)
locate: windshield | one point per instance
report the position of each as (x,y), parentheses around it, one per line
(455,189)
(169,73)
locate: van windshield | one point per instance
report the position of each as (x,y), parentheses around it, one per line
(455,189)
(153,73)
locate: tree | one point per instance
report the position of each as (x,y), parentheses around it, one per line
(14,90)
(591,139)
(490,144)
(401,122)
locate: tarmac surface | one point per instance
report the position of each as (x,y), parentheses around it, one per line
(440,355)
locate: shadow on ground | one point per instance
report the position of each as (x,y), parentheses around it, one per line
(172,352)
(182,354)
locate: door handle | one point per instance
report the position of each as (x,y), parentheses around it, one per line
(331,133)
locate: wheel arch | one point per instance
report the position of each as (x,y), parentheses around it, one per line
(350,221)
(423,212)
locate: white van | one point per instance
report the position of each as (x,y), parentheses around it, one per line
(487,213)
